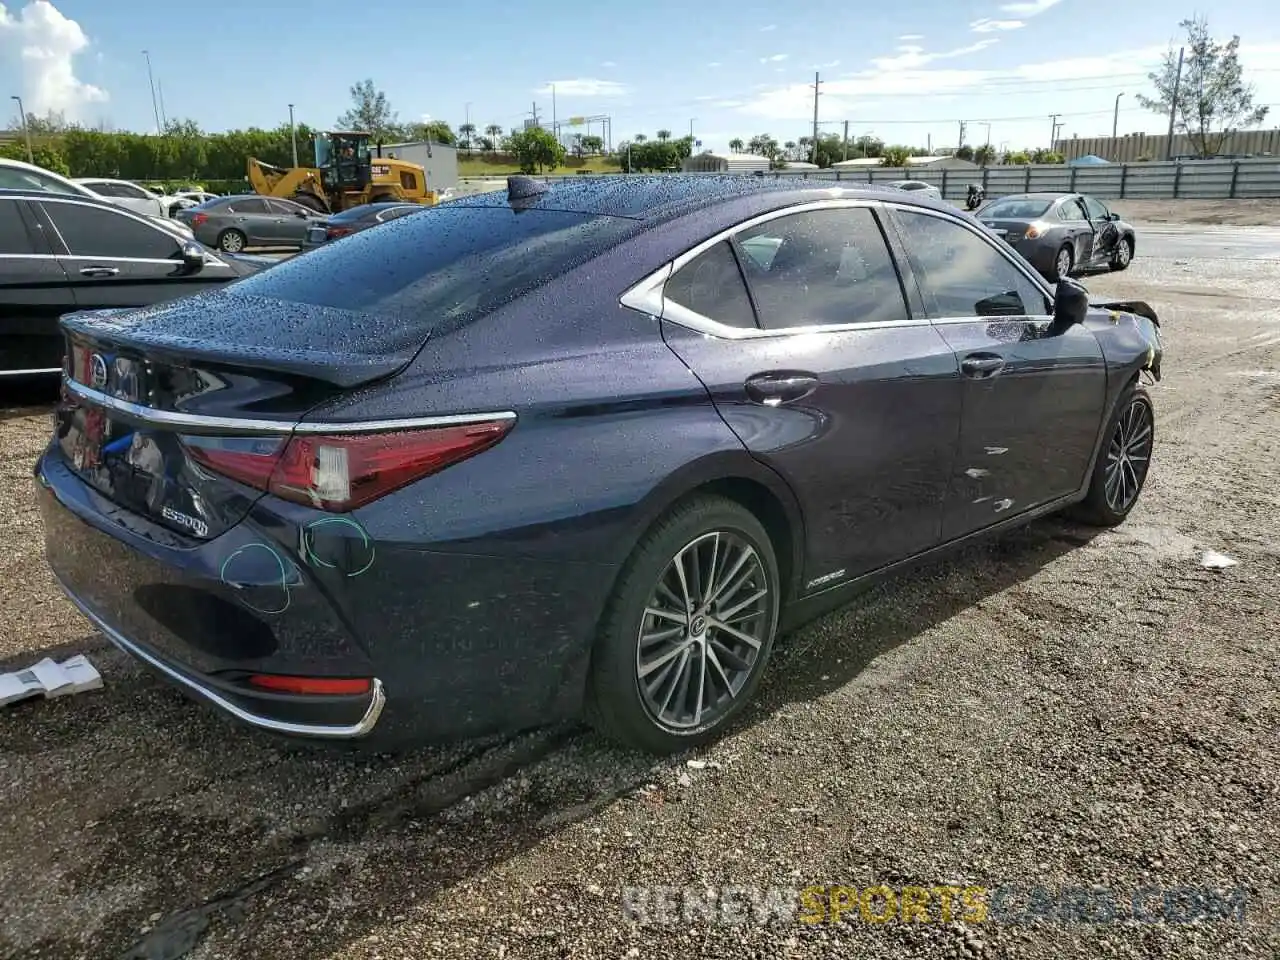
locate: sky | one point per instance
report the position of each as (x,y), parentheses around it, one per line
(904,72)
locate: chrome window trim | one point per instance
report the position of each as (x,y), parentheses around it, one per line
(377,696)
(200,424)
(646,296)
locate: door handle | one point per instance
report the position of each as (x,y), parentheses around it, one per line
(772,389)
(99,271)
(980,366)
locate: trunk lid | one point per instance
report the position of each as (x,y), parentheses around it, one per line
(148,391)
(1011,230)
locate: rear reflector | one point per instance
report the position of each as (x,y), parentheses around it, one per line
(342,472)
(334,232)
(198,218)
(310,685)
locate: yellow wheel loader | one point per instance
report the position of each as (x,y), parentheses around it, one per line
(345,175)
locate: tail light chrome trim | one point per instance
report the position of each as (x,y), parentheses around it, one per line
(199,424)
(360,728)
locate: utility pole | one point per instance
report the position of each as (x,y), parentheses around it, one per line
(960,142)
(293,135)
(846,140)
(1173,104)
(26,130)
(535,113)
(988,126)
(817,83)
(555,129)
(1115,118)
(691,119)
(155,107)
(164,120)
(1053,132)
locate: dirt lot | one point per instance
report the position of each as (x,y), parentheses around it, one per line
(1235,213)
(1055,709)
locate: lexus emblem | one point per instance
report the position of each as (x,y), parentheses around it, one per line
(97,372)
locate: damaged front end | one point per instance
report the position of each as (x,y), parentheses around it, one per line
(1146,325)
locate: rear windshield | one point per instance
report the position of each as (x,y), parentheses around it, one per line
(441,268)
(1018,208)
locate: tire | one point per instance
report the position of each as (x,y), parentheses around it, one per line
(310,202)
(665,717)
(1123,255)
(1064,258)
(1102,505)
(232,241)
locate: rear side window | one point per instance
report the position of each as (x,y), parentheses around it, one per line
(13,232)
(246,205)
(439,269)
(90,231)
(822,268)
(711,285)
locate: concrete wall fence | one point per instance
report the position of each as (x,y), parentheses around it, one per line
(1136,147)
(1191,179)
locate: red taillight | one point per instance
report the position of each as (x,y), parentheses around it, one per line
(198,218)
(333,233)
(312,685)
(342,472)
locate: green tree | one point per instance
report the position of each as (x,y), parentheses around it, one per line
(434,131)
(984,155)
(736,145)
(894,156)
(964,152)
(466,133)
(592,143)
(370,111)
(664,135)
(494,133)
(536,150)
(1019,159)
(1213,101)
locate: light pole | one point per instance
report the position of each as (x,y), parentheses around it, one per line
(988,126)
(26,130)
(155,108)
(1115,117)
(293,135)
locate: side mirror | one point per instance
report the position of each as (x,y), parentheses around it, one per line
(1113,217)
(1070,304)
(192,257)
(301,214)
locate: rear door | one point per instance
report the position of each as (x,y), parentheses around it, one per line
(1072,212)
(825,373)
(34,292)
(252,217)
(1032,396)
(115,259)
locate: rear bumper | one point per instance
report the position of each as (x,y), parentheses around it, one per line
(241,707)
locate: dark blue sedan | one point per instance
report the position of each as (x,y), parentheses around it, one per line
(572,450)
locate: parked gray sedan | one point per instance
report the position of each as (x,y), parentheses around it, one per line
(1061,233)
(248,220)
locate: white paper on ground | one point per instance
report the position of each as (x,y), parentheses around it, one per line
(50,679)
(1216,561)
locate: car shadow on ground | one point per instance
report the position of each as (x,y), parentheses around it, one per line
(224,832)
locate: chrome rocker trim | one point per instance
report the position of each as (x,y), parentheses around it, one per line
(326,731)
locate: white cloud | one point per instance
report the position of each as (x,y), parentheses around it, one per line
(713,64)
(829,65)
(608,63)
(582,87)
(1029,8)
(912,56)
(776,58)
(769,28)
(987,25)
(46,44)
(908,37)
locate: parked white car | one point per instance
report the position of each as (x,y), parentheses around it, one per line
(185,199)
(16,175)
(128,195)
(918,186)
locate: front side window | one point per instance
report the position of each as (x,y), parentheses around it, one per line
(13,178)
(711,285)
(91,231)
(821,267)
(962,274)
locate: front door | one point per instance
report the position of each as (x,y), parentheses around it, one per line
(1071,211)
(1032,395)
(820,368)
(114,259)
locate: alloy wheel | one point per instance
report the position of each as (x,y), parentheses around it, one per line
(1128,455)
(1122,255)
(1064,262)
(702,631)
(232,243)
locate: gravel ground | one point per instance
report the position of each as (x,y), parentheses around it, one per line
(1056,709)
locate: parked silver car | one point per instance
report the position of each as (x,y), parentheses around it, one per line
(234,223)
(1061,233)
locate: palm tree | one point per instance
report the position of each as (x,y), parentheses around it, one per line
(465,133)
(639,138)
(664,135)
(984,155)
(736,145)
(494,133)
